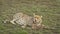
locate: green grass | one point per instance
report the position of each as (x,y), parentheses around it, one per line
(49,9)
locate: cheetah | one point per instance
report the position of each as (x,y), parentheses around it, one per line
(24,20)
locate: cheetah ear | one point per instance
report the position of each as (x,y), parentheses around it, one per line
(41,16)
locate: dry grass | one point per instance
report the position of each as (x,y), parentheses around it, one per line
(49,9)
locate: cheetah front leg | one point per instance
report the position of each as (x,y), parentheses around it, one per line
(24,26)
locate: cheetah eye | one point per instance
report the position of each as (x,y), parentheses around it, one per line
(37,17)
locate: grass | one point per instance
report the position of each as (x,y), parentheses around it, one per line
(49,9)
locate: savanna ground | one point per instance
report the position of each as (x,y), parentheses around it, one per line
(49,9)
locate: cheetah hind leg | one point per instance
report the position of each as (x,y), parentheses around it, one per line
(12,21)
